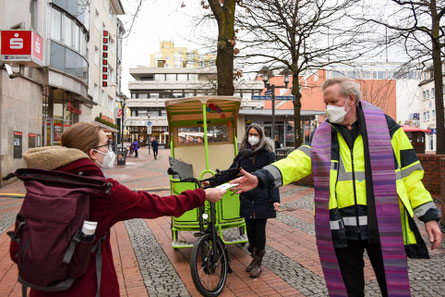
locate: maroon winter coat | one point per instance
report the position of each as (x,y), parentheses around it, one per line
(107,209)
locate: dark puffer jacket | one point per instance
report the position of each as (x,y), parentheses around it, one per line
(257,203)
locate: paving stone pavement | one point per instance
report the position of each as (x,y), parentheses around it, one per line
(291,264)
(159,274)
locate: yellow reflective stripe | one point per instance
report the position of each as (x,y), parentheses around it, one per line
(305,149)
(336,225)
(277,178)
(406,171)
(345,176)
(422,209)
(352,221)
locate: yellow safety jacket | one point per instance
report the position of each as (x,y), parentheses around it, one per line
(348,199)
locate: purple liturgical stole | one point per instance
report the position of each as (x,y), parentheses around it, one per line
(386,202)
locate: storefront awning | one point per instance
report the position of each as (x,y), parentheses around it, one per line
(106,128)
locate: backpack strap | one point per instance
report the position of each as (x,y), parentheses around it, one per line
(70,251)
(98,249)
(24,291)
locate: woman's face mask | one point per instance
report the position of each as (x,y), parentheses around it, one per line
(337,114)
(108,160)
(253,140)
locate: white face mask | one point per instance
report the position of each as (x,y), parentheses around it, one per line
(108,160)
(253,140)
(337,114)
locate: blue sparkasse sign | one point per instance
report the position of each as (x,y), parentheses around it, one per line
(148,123)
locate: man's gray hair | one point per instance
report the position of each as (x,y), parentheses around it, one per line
(347,86)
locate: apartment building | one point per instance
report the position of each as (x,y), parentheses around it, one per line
(426,114)
(174,72)
(103,48)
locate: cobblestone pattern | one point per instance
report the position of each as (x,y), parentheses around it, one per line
(6,220)
(160,277)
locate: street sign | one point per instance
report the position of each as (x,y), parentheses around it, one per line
(270,97)
(148,123)
(149,130)
(284,97)
(261,97)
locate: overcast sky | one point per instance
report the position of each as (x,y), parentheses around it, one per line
(158,20)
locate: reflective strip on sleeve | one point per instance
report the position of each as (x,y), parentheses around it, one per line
(352,221)
(305,149)
(278,179)
(422,209)
(336,225)
(407,171)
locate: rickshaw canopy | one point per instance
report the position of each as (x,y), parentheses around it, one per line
(218,107)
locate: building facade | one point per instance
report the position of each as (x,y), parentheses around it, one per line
(152,86)
(427,109)
(103,49)
(42,97)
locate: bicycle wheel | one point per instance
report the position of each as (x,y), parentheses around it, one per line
(209,276)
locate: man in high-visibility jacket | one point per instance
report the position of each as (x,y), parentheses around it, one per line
(368,186)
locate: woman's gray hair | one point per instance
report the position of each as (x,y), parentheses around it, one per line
(263,143)
(347,86)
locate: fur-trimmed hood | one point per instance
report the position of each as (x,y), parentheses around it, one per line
(52,157)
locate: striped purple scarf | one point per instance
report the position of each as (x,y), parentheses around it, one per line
(386,203)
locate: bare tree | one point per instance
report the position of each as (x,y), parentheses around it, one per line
(224,12)
(419,25)
(299,35)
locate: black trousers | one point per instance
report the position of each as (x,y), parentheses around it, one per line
(256,233)
(350,260)
(135,153)
(155,152)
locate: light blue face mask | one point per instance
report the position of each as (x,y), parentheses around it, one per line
(337,114)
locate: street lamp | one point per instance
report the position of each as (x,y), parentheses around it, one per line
(266,73)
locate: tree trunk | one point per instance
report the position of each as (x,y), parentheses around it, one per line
(225,16)
(438,86)
(297,111)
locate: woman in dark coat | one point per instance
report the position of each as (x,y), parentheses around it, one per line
(258,205)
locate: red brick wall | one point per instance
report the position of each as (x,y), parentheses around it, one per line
(432,166)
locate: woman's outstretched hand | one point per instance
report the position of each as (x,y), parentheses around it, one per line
(244,183)
(213,194)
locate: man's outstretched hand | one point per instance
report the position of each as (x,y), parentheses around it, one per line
(245,183)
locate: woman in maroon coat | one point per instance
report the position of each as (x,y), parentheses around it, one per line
(85,149)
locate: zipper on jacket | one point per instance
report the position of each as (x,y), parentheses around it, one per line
(355,191)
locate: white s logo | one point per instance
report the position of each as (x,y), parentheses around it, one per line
(16,43)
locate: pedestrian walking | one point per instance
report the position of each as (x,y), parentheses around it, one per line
(135,147)
(258,205)
(87,151)
(155,146)
(368,186)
